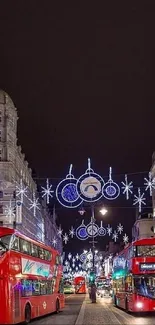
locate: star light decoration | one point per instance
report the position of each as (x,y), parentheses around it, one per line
(119,228)
(34,204)
(139,199)
(47,191)
(149,183)
(21,190)
(109,230)
(127,187)
(72,232)
(125,239)
(65,238)
(10,211)
(115,235)
(59,231)
(54,241)
(69,256)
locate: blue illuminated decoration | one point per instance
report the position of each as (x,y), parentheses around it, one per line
(102,230)
(81,232)
(89,185)
(83,257)
(66,191)
(110,190)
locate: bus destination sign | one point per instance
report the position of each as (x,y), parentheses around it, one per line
(147,266)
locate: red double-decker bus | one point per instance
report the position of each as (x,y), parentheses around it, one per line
(80,284)
(134,277)
(31,282)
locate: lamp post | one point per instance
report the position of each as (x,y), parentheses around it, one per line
(103,211)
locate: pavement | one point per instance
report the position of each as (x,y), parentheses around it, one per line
(104,312)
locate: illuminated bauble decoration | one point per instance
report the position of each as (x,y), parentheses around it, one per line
(83,257)
(111,190)
(89,185)
(81,232)
(92,229)
(102,230)
(66,191)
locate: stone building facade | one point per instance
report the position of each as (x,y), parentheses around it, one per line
(20,204)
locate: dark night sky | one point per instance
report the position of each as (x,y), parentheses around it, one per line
(82,78)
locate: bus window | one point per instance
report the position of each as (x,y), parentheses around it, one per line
(26,288)
(15,243)
(35,288)
(43,286)
(5,240)
(47,255)
(34,250)
(41,253)
(25,246)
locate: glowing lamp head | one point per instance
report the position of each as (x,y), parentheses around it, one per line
(103,211)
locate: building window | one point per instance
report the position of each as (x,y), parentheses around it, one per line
(1,209)
(1,194)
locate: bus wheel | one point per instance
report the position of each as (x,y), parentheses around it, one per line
(27,314)
(57,306)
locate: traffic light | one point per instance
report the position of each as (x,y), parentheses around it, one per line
(92,277)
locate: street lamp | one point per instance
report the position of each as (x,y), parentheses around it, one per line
(103,211)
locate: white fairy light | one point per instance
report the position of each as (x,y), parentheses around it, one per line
(127,187)
(21,190)
(115,235)
(65,238)
(47,191)
(66,262)
(125,239)
(59,231)
(69,256)
(109,230)
(34,204)
(72,232)
(73,265)
(9,211)
(119,228)
(77,256)
(149,183)
(73,259)
(54,241)
(140,199)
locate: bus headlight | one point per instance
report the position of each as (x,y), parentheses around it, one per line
(139,305)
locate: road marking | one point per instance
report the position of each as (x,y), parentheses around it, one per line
(79,320)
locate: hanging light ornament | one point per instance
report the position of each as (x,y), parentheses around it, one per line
(127,187)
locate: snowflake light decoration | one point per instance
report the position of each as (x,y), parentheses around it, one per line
(139,199)
(72,232)
(21,190)
(65,238)
(149,183)
(69,256)
(59,231)
(125,239)
(34,204)
(119,228)
(109,230)
(47,191)
(10,211)
(54,241)
(127,187)
(115,235)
